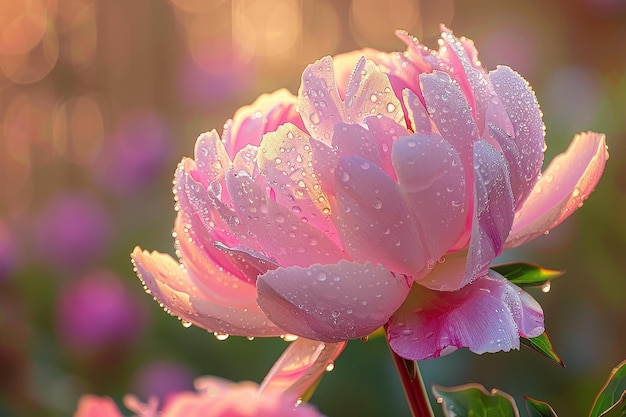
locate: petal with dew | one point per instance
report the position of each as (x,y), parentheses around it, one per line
(238,315)
(432,181)
(210,157)
(369,93)
(523,149)
(493,209)
(280,233)
(562,188)
(373,220)
(318,100)
(300,367)
(264,115)
(331,303)
(285,158)
(488,315)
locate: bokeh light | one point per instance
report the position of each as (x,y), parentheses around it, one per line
(100,100)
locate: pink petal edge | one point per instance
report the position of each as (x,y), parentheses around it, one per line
(562,188)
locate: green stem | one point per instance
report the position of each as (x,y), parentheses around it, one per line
(413,386)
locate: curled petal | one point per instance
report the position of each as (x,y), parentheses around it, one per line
(331,303)
(237,314)
(488,315)
(300,367)
(563,187)
(264,115)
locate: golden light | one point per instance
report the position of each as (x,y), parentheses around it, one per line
(266,27)
(78,129)
(373,22)
(33,65)
(22,25)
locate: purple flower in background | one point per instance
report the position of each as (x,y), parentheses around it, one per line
(135,154)
(96,312)
(161,378)
(214,77)
(71,231)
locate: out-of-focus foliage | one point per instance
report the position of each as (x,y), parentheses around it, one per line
(101,99)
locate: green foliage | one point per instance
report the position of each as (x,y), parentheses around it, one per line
(526,274)
(543,346)
(536,408)
(611,401)
(473,400)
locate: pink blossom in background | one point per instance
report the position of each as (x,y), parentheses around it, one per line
(214,397)
(72,231)
(135,154)
(97,312)
(379,196)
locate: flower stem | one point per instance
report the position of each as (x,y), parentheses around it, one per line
(413,386)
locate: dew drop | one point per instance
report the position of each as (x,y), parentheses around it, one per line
(330,367)
(314,118)
(391,107)
(373,98)
(186,324)
(221,336)
(345,176)
(545,288)
(321,277)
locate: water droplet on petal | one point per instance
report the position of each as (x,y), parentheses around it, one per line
(546,287)
(186,324)
(330,367)
(220,336)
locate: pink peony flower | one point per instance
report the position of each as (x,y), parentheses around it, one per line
(379,196)
(214,398)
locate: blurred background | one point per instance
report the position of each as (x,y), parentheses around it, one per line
(99,100)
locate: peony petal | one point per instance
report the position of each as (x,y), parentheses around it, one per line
(300,366)
(493,209)
(355,140)
(238,315)
(523,149)
(451,112)
(563,187)
(285,158)
(432,180)
(94,406)
(279,232)
(250,263)
(264,115)
(385,132)
(331,303)
(416,112)
(318,100)
(373,220)
(369,93)
(210,157)
(488,315)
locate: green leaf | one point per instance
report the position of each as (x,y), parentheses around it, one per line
(527,275)
(536,408)
(611,401)
(475,401)
(542,345)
